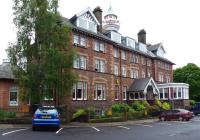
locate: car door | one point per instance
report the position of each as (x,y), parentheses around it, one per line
(168,114)
(175,114)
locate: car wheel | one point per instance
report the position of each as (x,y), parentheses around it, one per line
(187,119)
(162,119)
(33,128)
(180,118)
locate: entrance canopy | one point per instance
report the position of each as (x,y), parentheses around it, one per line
(144,85)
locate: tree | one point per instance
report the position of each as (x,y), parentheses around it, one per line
(41,58)
(189,74)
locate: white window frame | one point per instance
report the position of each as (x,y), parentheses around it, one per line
(83,41)
(143,61)
(102,87)
(148,74)
(161,77)
(143,74)
(116,53)
(132,73)
(99,65)
(123,55)
(124,92)
(136,74)
(80,62)
(76,39)
(116,70)
(83,92)
(116,92)
(99,46)
(13,89)
(124,71)
(168,78)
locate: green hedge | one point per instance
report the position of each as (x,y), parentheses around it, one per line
(7,114)
(132,114)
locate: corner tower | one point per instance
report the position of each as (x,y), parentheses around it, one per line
(110,22)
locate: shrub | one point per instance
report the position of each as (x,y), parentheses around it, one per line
(192,102)
(138,106)
(158,103)
(132,114)
(120,107)
(92,113)
(7,114)
(79,113)
(145,103)
(166,106)
(153,110)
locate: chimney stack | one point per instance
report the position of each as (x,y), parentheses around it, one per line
(142,36)
(98,13)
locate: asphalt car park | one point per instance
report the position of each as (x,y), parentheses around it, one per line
(183,130)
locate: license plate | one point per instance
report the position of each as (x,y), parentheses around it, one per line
(46,117)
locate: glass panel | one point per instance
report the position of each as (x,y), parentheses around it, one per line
(83,41)
(83,23)
(124,92)
(76,39)
(102,66)
(136,95)
(96,46)
(79,91)
(101,47)
(74,92)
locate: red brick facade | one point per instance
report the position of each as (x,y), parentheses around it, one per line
(90,76)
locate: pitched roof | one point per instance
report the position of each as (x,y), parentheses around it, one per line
(142,84)
(154,47)
(139,84)
(87,10)
(6,72)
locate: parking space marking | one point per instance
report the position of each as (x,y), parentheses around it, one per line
(59,130)
(95,128)
(124,127)
(144,125)
(14,131)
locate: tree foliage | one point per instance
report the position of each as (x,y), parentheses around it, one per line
(41,57)
(189,74)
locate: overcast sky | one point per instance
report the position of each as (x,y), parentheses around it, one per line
(175,23)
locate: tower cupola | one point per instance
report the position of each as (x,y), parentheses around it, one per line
(110,22)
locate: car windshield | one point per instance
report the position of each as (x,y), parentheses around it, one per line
(183,110)
(46,109)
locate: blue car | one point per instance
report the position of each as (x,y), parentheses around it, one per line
(46,116)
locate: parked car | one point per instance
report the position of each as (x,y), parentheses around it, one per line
(46,116)
(196,108)
(176,114)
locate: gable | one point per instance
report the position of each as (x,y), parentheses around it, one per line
(153,84)
(87,20)
(161,51)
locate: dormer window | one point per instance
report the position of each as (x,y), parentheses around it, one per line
(87,24)
(87,20)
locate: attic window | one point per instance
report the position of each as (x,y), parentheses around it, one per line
(87,24)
